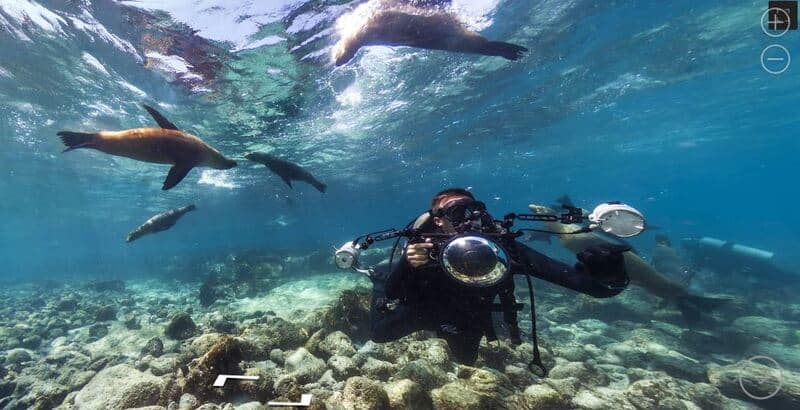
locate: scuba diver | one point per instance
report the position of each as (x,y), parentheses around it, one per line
(727,257)
(418,292)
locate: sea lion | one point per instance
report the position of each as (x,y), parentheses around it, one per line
(165,145)
(640,272)
(667,260)
(160,222)
(286,170)
(437,31)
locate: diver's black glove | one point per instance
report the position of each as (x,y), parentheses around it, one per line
(604,262)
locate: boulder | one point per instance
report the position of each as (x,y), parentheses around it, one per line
(162,365)
(754,328)
(119,387)
(588,374)
(261,389)
(424,373)
(474,389)
(67,304)
(273,332)
(406,394)
(343,367)
(303,365)
(760,381)
(224,326)
(98,330)
(678,365)
(222,358)
(18,356)
(31,342)
(278,356)
(337,343)
(106,312)
(361,393)
(378,369)
(180,327)
(131,322)
(659,393)
(542,396)
(350,313)
(153,347)
(188,402)
(44,394)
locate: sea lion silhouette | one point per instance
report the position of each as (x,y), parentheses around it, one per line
(288,171)
(160,222)
(437,31)
(640,272)
(165,145)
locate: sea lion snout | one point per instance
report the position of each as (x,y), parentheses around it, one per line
(343,54)
(228,164)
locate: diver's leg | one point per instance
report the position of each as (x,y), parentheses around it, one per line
(463,345)
(387,325)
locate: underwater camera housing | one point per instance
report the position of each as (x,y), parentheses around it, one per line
(480,259)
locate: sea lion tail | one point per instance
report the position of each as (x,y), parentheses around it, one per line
(695,308)
(75,140)
(320,186)
(506,50)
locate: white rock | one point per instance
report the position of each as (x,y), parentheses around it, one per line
(119,387)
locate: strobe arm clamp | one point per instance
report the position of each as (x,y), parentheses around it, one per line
(346,256)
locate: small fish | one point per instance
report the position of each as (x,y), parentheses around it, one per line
(160,222)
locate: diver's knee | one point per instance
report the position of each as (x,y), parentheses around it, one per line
(380,336)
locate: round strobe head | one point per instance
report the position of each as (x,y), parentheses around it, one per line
(617,219)
(346,256)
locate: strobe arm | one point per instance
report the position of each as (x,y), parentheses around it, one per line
(364,242)
(572,216)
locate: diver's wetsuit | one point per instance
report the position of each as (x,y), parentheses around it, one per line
(428,300)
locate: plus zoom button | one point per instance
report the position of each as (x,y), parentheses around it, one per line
(781,16)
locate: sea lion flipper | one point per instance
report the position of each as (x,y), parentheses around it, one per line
(162,121)
(75,140)
(321,187)
(502,49)
(176,175)
(287,180)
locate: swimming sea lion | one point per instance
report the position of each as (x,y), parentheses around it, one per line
(286,170)
(667,260)
(160,222)
(640,272)
(165,145)
(438,31)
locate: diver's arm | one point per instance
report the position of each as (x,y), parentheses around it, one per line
(394,285)
(578,278)
(387,324)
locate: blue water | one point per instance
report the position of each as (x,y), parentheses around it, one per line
(661,105)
